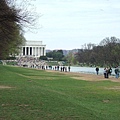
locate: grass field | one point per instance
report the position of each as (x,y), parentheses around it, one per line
(30,94)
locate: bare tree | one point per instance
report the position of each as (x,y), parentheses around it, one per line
(107,53)
(14,18)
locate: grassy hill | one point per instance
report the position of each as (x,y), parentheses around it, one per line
(31,94)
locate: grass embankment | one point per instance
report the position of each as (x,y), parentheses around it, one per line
(30,94)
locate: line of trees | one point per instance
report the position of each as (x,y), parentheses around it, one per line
(13,19)
(56,55)
(107,53)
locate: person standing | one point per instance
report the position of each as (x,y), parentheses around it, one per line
(106,73)
(110,71)
(117,72)
(97,70)
(69,68)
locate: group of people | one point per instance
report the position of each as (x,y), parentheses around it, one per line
(108,71)
(30,62)
(61,68)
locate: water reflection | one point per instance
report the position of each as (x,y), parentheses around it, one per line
(90,70)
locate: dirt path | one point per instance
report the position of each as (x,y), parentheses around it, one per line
(4,87)
(87,77)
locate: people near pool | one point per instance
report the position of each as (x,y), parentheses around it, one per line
(107,72)
(97,70)
(117,72)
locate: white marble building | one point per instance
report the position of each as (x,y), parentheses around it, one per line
(33,49)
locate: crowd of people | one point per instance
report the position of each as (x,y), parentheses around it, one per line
(108,71)
(31,62)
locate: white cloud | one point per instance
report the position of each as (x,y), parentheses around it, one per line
(69,24)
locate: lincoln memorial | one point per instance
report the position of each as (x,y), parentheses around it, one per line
(33,49)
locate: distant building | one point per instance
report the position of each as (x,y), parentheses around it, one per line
(33,49)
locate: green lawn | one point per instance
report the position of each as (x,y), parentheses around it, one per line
(30,94)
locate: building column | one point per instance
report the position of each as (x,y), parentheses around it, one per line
(25,50)
(39,51)
(28,50)
(35,51)
(43,51)
(21,53)
(32,51)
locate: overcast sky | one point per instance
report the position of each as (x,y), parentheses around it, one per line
(69,24)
